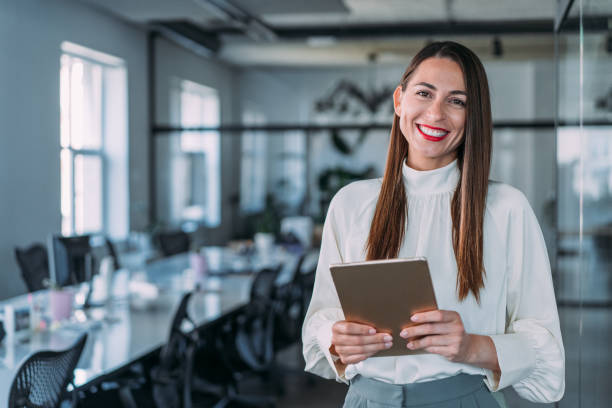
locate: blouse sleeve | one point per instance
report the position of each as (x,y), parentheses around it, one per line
(530,353)
(324,309)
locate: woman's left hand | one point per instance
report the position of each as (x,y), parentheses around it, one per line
(443,333)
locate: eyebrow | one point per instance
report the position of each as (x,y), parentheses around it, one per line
(430,86)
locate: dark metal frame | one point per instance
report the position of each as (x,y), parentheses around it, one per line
(283,127)
(151,76)
(563,8)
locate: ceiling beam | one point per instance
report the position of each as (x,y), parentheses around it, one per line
(249,24)
(432,28)
(190,36)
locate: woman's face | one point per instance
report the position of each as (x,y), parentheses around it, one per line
(432,113)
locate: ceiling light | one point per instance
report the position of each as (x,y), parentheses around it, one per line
(321,41)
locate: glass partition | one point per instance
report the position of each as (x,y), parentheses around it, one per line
(584,200)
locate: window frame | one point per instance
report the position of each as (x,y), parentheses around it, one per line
(106,62)
(213,212)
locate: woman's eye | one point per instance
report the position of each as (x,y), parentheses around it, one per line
(458,102)
(423,93)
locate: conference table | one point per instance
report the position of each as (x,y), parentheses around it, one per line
(135,320)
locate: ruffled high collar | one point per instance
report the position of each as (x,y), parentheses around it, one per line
(424,182)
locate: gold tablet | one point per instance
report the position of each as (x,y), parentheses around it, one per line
(385,294)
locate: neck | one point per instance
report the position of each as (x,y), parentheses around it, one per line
(426,163)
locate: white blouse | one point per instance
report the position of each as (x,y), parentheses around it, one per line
(517,305)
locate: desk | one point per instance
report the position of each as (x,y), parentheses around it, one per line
(119,333)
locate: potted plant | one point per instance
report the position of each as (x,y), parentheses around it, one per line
(267,226)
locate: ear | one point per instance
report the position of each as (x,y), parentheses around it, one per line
(397,101)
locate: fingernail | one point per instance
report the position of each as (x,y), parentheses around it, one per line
(403,334)
(387,338)
(388,345)
(414,318)
(410,345)
(372,331)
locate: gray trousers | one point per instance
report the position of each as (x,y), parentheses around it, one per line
(460,391)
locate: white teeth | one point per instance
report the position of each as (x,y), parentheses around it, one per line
(432,132)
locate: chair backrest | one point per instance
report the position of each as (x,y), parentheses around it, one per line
(297,270)
(293,301)
(34,265)
(264,284)
(42,379)
(173,242)
(175,361)
(254,332)
(110,248)
(172,351)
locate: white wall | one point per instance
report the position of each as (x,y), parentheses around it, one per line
(30,36)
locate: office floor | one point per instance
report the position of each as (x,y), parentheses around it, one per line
(587,383)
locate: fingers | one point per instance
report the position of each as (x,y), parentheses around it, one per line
(436,340)
(426,329)
(367,349)
(435,316)
(344,327)
(350,340)
(355,342)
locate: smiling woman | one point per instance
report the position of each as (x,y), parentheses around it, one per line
(485,250)
(432,108)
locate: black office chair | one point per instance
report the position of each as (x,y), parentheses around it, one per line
(293,299)
(112,252)
(290,313)
(42,379)
(172,377)
(34,265)
(245,342)
(172,242)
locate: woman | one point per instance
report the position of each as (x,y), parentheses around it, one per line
(498,324)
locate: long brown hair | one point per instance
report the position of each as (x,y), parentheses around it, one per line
(473,160)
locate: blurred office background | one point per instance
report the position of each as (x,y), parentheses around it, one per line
(221,118)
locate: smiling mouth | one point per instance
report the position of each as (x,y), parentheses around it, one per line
(434,134)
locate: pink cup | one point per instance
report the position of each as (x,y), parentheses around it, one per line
(60,303)
(198,264)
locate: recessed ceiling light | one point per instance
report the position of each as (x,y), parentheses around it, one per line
(321,41)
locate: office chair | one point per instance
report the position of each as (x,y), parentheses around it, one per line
(294,299)
(172,242)
(110,248)
(42,379)
(245,342)
(172,377)
(34,266)
(289,317)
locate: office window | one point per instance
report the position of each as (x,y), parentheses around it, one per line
(253,166)
(593,178)
(199,106)
(289,174)
(93,141)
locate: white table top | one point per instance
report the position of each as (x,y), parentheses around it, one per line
(128,327)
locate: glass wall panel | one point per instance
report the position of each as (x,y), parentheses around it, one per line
(584,201)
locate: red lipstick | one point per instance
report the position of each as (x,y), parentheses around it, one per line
(432,138)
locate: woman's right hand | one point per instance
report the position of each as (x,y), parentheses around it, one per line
(354,342)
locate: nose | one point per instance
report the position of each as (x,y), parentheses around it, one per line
(435,111)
